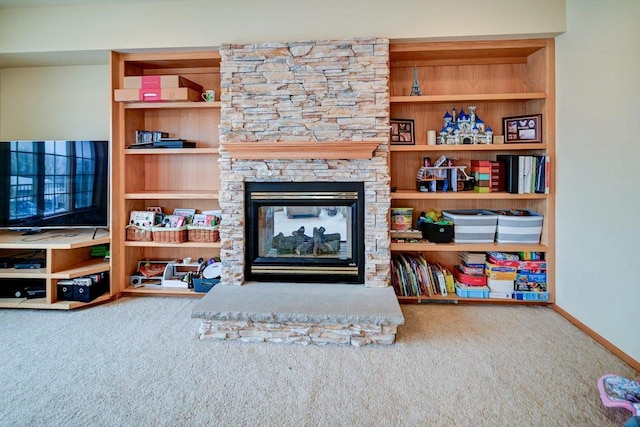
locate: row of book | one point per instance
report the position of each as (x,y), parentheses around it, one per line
(412,275)
(478,275)
(525,174)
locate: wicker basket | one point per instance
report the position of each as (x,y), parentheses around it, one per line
(170,235)
(139,234)
(203,234)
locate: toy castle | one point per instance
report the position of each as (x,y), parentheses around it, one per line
(464,129)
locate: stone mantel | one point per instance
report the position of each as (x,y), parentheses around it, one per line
(288,150)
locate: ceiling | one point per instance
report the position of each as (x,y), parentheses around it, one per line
(12,4)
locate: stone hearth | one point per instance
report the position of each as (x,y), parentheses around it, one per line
(300,314)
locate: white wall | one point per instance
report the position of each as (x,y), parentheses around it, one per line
(55,102)
(192,23)
(598,201)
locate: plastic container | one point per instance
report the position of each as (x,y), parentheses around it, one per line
(437,233)
(473,225)
(401,218)
(472,291)
(531,296)
(204,285)
(525,228)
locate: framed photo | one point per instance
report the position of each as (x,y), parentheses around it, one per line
(402,132)
(522,129)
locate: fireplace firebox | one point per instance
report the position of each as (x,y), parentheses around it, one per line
(304,232)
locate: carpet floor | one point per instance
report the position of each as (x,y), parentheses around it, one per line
(138,362)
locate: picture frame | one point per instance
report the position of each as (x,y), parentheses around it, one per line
(402,132)
(522,129)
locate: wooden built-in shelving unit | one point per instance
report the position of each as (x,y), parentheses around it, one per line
(500,78)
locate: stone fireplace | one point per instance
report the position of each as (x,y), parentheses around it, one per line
(304,232)
(304,117)
(303,108)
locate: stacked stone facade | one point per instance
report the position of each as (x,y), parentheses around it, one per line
(302,333)
(313,91)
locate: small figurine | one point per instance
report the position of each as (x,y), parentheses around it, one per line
(415,90)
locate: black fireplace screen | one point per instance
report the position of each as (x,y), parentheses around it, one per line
(305,232)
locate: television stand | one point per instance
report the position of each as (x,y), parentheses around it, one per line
(67,256)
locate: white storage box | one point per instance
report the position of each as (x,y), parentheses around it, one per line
(519,229)
(501,286)
(473,225)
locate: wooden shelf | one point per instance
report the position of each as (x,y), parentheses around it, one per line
(464,52)
(463,195)
(479,97)
(54,239)
(289,150)
(41,303)
(172,195)
(470,247)
(163,291)
(455,299)
(17,273)
(94,266)
(464,147)
(170,105)
(173,245)
(171,151)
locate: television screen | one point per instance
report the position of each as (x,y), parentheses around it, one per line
(54,184)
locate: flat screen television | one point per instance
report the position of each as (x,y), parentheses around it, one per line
(54,184)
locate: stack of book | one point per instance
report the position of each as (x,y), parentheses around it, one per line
(481,171)
(497,178)
(470,271)
(525,174)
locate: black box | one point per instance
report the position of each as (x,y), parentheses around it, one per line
(66,290)
(88,290)
(437,233)
(87,293)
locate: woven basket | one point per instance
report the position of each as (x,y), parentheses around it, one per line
(139,234)
(169,235)
(203,234)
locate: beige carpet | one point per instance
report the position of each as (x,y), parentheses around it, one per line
(137,362)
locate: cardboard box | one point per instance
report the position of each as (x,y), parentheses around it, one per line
(157,95)
(156,82)
(501,286)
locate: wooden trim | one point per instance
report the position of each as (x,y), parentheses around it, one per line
(287,150)
(489,97)
(471,147)
(593,334)
(471,247)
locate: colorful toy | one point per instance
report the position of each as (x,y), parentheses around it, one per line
(620,392)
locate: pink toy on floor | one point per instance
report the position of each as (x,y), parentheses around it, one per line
(620,392)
